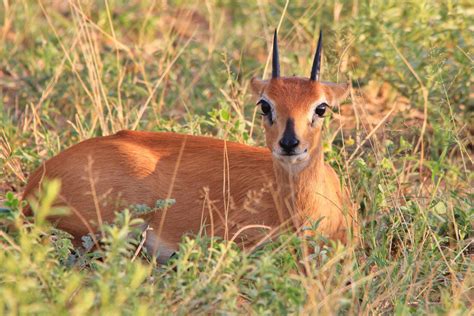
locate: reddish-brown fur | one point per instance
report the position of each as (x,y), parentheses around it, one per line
(222,186)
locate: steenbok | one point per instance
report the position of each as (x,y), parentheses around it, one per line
(221,188)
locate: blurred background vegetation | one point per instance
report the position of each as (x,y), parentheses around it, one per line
(71,70)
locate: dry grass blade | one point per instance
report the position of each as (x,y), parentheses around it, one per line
(372,133)
(12,163)
(143,108)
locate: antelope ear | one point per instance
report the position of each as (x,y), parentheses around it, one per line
(258,85)
(336,92)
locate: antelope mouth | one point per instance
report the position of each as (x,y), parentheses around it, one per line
(291,158)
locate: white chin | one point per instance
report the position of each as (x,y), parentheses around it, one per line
(293,160)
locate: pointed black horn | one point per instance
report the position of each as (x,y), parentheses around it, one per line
(275,58)
(317,60)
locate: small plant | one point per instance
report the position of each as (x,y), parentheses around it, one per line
(143,209)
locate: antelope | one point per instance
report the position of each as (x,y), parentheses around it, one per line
(226,189)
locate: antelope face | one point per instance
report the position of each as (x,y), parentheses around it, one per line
(293,110)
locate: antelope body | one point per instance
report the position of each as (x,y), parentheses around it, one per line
(224,188)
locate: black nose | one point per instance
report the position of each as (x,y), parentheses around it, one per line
(288,144)
(289,141)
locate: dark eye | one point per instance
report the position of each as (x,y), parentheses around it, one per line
(265,107)
(321,109)
(266,110)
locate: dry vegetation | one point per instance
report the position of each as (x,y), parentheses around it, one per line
(71,70)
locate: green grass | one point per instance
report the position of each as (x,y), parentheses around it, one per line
(72,71)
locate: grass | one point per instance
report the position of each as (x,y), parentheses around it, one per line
(72,70)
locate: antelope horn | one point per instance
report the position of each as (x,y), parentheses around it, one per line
(317,60)
(276,59)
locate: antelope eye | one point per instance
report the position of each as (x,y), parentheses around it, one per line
(321,109)
(265,107)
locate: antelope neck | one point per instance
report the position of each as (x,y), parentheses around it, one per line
(296,192)
(291,183)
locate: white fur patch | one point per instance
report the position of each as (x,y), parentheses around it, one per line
(293,164)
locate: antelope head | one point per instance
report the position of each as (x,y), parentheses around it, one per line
(293,110)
